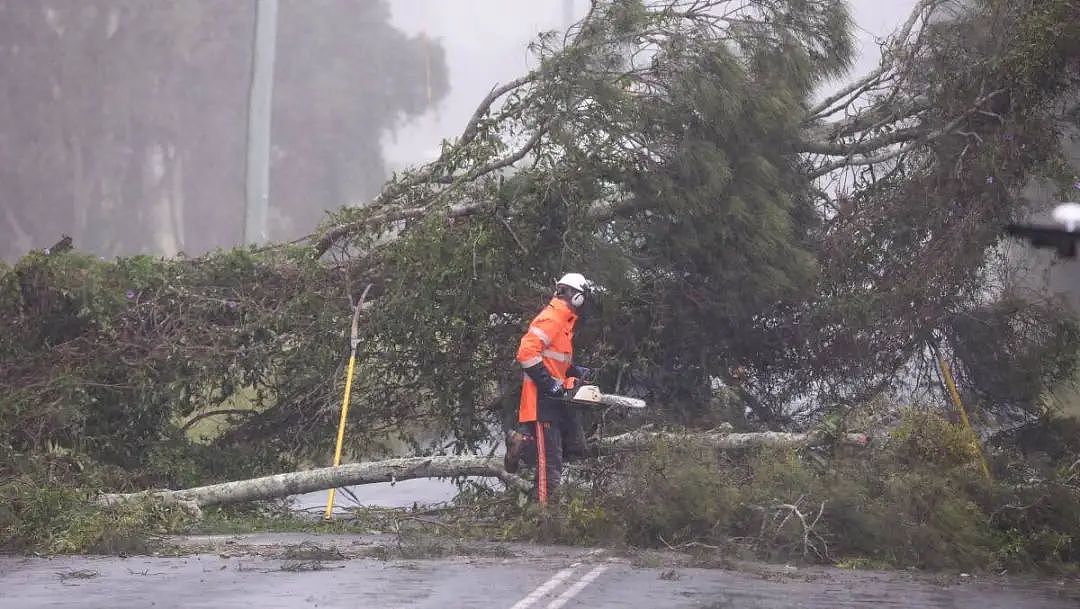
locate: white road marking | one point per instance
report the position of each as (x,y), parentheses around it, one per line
(545,587)
(572,591)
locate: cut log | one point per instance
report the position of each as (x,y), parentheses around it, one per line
(639,440)
(295,483)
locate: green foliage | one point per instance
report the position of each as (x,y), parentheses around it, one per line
(107,358)
(675,504)
(705,146)
(177,462)
(242,519)
(50,507)
(924,437)
(124,529)
(1039,60)
(917,502)
(31,515)
(681,185)
(913,242)
(1014,352)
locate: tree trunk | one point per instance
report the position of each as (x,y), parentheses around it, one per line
(294,483)
(638,440)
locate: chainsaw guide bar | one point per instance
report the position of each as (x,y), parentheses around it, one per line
(590,395)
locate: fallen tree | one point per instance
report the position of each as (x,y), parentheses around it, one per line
(393,470)
(670,155)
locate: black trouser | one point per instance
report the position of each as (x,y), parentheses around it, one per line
(559,432)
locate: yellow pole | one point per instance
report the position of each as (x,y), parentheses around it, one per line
(353,341)
(341,430)
(951,385)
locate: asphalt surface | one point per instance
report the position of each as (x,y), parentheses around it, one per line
(422,491)
(248,572)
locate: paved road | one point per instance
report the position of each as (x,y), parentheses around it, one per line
(523,578)
(422,491)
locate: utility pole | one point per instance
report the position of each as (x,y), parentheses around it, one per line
(259,104)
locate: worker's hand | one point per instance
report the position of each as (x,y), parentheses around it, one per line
(587,375)
(556,389)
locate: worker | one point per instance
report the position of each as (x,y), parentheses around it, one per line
(549,428)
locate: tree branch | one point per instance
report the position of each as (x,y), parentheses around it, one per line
(889,56)
(471,128)
(639,440)
(294,483)
(498,163)
(212,413)
(332,236)
(949,128)
(341,231)
(864,120)
(854,90)
(863,147)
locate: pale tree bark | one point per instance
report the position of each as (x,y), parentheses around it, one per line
(156,188)
(176,196)
(21,240)
(639,440)
(295,483)
(392,470)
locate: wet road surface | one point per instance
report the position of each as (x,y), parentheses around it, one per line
(232,575)
(422,491)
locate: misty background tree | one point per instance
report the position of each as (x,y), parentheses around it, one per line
(124,122)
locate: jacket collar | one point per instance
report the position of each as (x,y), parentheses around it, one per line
(563,310)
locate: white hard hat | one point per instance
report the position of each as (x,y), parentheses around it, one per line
(576,281)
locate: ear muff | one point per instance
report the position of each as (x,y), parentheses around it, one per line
(577,299)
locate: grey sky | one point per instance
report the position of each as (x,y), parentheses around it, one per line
(485,43)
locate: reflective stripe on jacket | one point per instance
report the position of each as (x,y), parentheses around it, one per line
(549,339)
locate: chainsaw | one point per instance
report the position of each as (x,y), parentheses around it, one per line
(590,395)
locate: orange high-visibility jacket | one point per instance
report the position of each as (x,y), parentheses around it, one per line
(549,340)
